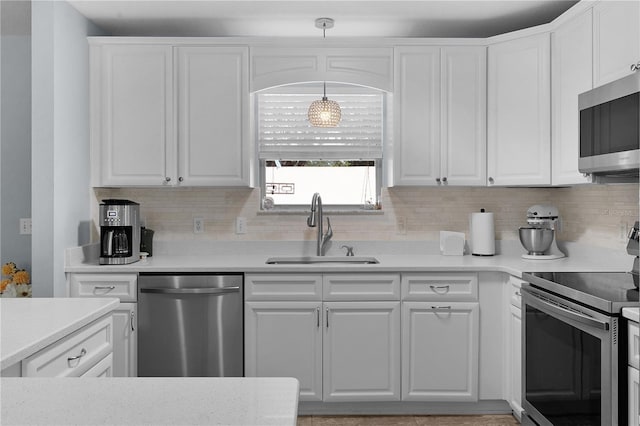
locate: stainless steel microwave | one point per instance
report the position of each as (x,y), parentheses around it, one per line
(610,128)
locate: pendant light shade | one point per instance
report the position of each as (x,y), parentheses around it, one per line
(324,113)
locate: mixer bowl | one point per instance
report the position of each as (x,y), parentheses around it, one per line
(536,240)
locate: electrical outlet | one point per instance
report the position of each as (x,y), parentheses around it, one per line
(624,231)
(25,226)
(241,225)
(198,225)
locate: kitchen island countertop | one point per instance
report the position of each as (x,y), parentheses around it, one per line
(151,400)
(30,324)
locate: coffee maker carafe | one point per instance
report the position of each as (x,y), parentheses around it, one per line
(119,232)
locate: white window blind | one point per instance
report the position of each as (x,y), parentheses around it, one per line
(284,132)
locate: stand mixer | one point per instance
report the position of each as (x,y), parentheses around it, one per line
(539,237)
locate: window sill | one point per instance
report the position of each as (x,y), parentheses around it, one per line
(325,211)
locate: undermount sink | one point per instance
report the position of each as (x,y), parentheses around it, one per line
(306,260)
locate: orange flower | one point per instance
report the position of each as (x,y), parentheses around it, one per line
(4,284)
(21,277)
(9,268)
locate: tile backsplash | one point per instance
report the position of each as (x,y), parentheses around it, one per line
(597,215)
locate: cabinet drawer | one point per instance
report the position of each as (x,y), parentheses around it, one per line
(72,355)
(283,287)
(361,287)
(124,286)
(104,368)
(515,296)
(633,345)
(440,286)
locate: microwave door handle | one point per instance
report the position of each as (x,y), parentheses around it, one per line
(583,319)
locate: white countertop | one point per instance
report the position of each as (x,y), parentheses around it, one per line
(250,257)
(157,401)
(631,313)
(30,324)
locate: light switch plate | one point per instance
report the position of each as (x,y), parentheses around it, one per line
(25,226)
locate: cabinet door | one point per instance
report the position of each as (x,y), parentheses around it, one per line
(125,339)
(417,115)
(515,359)
(132,115)
(616,39)
(213,115)
(439,351)
(464,99)
(284,339)
(361,349)
(519,112)
(571,75)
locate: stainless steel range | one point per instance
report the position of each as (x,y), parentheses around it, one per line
(573,345)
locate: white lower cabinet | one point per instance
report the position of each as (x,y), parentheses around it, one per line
(361,351)
(125,335)
(284,339)
(346,348)
(125,339)
(440,351)
(514,346)
(515,360)
(634,397)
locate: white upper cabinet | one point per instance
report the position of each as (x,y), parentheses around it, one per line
(161,120)
(367,66)
(439,115)
(213,98)
(463,116)
(519,116)
(616,40)
(571,47)
(131,114)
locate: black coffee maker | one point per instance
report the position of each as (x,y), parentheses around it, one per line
(119,232)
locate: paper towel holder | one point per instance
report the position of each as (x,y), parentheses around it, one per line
(482,233)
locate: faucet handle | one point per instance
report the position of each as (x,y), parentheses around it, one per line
(349,250)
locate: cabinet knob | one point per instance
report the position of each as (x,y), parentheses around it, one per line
(491,180)
(444,179)
(167,179)
(180,179)
(635,67)
(438,180)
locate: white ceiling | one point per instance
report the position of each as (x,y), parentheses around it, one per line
(295,18)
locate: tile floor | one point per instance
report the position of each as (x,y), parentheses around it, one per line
(485,420)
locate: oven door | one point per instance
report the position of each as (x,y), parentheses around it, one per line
(569,362)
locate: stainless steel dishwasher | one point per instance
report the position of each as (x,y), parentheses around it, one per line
(190,325)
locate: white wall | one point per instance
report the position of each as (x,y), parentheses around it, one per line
(15,130)
(60,144)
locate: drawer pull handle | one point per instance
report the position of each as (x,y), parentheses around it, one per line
(133,319)
(83,352)
(441,307)
(318,317)
(105,287)
(518,294)
(438,288)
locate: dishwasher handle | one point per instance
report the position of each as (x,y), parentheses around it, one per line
(203,290)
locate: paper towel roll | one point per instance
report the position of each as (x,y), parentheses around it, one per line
(483,240)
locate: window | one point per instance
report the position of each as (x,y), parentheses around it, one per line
(343,163)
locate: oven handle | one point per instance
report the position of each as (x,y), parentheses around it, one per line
(542,303)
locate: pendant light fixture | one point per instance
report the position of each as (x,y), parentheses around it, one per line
(324,113)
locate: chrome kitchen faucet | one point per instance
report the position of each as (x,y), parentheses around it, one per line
(316,219)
